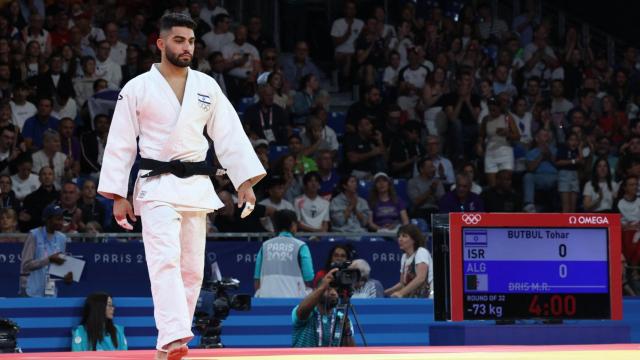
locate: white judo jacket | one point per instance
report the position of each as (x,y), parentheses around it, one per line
(147,109)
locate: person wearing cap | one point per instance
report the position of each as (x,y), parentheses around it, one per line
(43,247)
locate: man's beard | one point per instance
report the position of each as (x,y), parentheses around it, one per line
(329,302)
(175,59)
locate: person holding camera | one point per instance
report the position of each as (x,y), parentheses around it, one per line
(283,267)
(44,246)
(314,320)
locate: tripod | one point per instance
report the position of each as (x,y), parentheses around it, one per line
(340,316)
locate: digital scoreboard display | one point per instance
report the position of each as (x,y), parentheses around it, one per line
(505,268)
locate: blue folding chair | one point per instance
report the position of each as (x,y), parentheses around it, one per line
(400,185)
(364,188)
(275,152)
(337,121)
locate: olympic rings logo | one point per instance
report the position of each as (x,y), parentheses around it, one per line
(471,218)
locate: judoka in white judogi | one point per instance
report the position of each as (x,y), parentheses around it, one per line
(173,209)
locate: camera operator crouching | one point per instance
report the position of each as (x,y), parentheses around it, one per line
(313,320)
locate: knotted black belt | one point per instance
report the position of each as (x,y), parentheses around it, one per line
(179,168)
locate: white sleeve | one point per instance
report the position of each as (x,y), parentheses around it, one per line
(232,146)
(588,190)
(121,149)
(422,256)
(337,30)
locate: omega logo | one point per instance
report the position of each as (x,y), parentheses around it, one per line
(599,220)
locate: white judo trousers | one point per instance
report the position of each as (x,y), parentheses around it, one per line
(174,245)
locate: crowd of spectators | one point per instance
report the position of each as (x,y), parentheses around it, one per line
(459,111)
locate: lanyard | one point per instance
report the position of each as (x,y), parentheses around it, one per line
(319,328)
(270,118)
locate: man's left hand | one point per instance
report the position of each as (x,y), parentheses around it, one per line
(245,194)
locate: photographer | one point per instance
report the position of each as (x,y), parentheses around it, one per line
(312,318)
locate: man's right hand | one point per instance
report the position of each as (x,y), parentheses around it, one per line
(327,279)
(121,209)
(56,259)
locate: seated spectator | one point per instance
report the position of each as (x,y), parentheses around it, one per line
(298,65)
(220,35)
(285,168)
(502,82)
(261,147)
(83,85)
(491,29)
(51,156)
(568,159)
(275,190)
(306,98)
(280,95)
(269,64)
(628,204)
(370,53)
(91,209)
(600,191)
(217,63)
(54,80)
(118,53)
(133,64)
(502,197)
(64,106)
(70,144)
(21,108)
(613,123)
(328,173)
(425,190)
(24,182)
(35,126)
(461,199)
(96,331)
(370,107)
(228,218)
(43,246)
(284,268)
(541,171)
(411,81)
(267,120)
(366,287)
(105,67)
(304,164)
(349,212)
(9,225)
(388,211)
(444,168)
(7,196)
(416,266)
(242,63)
(34,203)
(338,254)
(72,215)
(390,76)
(603,150)
(256,37)
(312,210)
(317,137)
(405,151)
(497,131)
(93,144)
(538,55)
(469,169)
(559,103)
(364,150)
(9,150)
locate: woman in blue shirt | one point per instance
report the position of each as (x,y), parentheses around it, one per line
(97,330)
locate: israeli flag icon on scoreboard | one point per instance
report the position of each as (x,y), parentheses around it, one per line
(475,237)
(476,282)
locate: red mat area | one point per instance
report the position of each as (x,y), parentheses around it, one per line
(149,354)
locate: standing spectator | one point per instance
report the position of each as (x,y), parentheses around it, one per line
(416,266)
(51,156)
(388,211)
(118,52)
(539,56)
(568,160)
(43,246)
(370,53)
(96,331)
(24,182)
(255,36)
(490,29)
(37,125)
(524,23)
(7,196)
(462,109)
(219,36)
(35,202)
(299,65)
(91,208)
(405,151)
(267,120)
(21,109)
(344,32)
(364,150)
(105,67)
(600,191)
(328,173)
(349,212)
(210,11)
(275,189)
(425,190)
(243,64)
(312,210)
(497,131)
(306,99)
(542,173)
(502,197)
(202,27)
(92,145)
(284,268)
(461,199)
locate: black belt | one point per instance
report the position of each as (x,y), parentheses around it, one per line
(179,168)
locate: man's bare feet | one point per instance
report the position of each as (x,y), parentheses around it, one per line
(174,351)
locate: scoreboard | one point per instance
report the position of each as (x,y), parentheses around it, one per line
(526,266)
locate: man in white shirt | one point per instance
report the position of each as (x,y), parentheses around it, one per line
(220,36)
(312,210)
(275,187)
(210,11)
(105,67)
(21,109)
(242,62)
(118,53)
(24,182)
(344,32)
